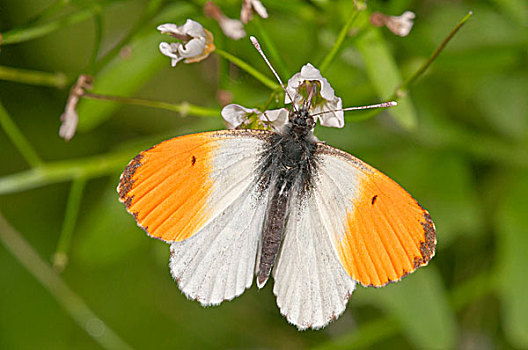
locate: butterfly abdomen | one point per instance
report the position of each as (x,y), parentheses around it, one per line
(286,171)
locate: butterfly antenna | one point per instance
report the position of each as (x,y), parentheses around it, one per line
(379,105)
(255,43)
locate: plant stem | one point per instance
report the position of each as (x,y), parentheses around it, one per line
(60,258)
(249,69)
(71,302)
(24,34)
(33,77)
(183,108)
(401,90)
(18,139)
(340,39)
(65,170)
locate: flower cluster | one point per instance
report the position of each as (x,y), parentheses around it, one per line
(306,89)
(399,25)
(197,42)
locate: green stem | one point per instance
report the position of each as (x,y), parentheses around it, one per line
(66,170)
(18,139)
(340,39)
(49,11)
(24,34)
(249,69)
(60,258)
(71,302)
(32,77)
(183,108)
(402,89)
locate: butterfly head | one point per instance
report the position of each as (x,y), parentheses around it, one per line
(301,122)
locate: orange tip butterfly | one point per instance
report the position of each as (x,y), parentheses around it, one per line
(242,204)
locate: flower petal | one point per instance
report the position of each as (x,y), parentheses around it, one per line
(333,116)
(193,48)
(232,28)
(193,29)
(277,117)
(235,114)
(259,8)
(309,72)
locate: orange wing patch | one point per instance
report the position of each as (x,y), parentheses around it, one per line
(388,234)
(166,187)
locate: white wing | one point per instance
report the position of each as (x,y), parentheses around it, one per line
(218,262)
(199,192)
(311,285)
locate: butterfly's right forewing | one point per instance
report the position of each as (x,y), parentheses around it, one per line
(380,232)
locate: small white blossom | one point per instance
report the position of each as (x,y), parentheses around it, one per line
(237,116)
(248,6)
(232,28)
(276,117)
(322,100)
(399,25)
(197,42)
(70,118)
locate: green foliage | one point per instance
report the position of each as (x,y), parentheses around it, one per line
(458,141)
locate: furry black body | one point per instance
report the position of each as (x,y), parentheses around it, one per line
(287,170)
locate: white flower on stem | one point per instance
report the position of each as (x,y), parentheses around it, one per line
(70,118)
(232,28)
(248,6)
(399,25)
(196,45)
(309,86)
(238,116)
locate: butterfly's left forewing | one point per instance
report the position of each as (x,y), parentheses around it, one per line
(199,192)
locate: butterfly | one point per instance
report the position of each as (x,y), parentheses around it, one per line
(242,204)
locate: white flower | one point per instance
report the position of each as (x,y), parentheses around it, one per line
(236,116)
(197,42)
(399,25)
(248,6)
(309,86)
(70,118)
(232,28)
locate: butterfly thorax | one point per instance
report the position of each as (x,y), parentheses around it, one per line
(287,170)
(301,124)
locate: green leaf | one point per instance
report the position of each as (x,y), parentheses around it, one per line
(383,72)
(125,75)
(419,303)
(512,227)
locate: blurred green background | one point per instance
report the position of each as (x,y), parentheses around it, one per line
(458,142)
